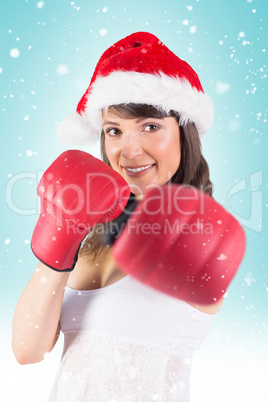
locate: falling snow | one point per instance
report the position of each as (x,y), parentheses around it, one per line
(222,257)
(62,69)
(14,53)
(103,32)
(40,4)
(222,87)
(193,29)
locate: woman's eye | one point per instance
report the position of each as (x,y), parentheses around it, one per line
(113,131)
(151,127)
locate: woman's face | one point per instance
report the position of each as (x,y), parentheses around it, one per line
(145,151)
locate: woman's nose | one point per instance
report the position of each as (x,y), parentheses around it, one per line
(131,147)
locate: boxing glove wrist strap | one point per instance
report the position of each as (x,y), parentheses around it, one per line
(115,227)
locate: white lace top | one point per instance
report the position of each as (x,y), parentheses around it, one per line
(127,343)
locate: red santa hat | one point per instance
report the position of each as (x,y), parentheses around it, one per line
(138,69)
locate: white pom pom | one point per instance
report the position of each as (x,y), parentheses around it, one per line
(75,130)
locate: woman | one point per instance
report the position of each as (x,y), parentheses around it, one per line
(124,340)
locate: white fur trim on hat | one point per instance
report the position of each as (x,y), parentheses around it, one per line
(162,91)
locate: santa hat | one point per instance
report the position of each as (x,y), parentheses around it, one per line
(138,69)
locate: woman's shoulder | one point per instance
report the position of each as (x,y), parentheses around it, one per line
(211,309)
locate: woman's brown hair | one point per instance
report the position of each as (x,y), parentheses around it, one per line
(193,169)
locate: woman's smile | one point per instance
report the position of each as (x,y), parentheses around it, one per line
(138,171)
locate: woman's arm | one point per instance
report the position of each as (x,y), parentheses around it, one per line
(65,219)
(36,318)
(180,241)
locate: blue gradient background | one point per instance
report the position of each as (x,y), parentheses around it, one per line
(60,43)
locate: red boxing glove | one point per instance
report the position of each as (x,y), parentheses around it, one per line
(182,242)
(76,191)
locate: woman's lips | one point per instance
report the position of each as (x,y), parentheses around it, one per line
(138,171)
